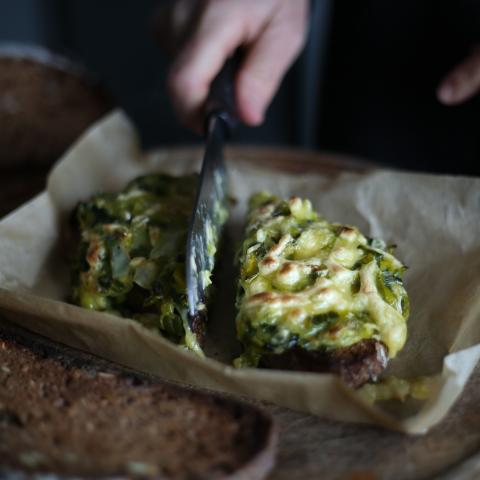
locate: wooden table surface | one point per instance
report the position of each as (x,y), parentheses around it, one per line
(312,448)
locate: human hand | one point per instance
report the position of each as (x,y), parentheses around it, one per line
(271,33)
(463,82)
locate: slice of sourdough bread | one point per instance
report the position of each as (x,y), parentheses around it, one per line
(65,413)
(46,102)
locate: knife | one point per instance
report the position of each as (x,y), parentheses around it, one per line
(210,209)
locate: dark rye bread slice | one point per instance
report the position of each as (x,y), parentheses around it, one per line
(46,102)
(67,414)
(357,364)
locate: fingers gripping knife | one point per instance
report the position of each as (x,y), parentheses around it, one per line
(210,209)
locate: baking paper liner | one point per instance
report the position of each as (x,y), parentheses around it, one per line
(433,219)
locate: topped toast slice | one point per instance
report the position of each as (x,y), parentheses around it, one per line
(130,255)
(315,295)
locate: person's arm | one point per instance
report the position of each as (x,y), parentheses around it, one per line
(271,32)
(463,82)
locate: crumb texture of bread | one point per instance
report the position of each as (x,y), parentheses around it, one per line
(63,416)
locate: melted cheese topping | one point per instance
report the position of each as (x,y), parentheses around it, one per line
(131,255)
(394,388)
(308,283)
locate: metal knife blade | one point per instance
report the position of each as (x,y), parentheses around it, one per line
(210,208)
(207,218)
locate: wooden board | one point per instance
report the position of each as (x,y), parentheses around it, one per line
(312,448)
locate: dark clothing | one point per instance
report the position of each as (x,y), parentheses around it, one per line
(385,62)
(365,84)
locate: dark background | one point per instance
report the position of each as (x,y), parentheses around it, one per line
(365,83)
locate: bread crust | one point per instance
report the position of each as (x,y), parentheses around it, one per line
(357,364)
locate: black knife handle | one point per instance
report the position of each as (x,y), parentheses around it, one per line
(221,100)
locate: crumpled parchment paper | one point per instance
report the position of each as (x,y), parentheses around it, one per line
(433,219)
